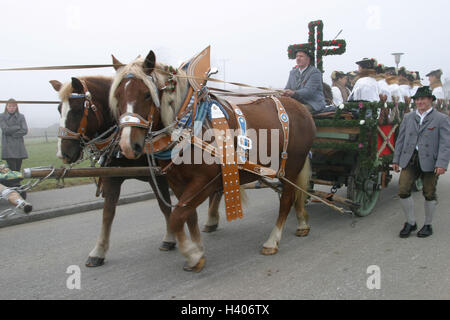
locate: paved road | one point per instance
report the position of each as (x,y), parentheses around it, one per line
(330,264)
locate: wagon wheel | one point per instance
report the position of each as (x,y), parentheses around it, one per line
(363,188)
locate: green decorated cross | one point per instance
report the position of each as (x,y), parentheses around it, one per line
(317,46)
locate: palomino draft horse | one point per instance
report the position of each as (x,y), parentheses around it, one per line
(144,87)
(87,121)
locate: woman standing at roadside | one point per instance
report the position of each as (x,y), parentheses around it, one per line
(14,128)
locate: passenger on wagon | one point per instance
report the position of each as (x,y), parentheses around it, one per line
(436,85)
(351,76)
(415,83)
(383,87)
(366,86)
(404,84)
(339,89)
(393,82)
(305,83)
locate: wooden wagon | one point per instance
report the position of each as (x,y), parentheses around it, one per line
(354,147)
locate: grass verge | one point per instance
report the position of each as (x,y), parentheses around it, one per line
(42,153)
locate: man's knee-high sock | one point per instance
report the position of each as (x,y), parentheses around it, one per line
(408,209)
(430,209)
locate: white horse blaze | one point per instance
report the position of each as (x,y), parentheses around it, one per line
(125,140)
(62,123)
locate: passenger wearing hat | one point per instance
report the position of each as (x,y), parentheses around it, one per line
(339,89)
(305,82)
(436,85)
(393,83)
(351,76)
(366,87)
(383,87)
(422,150)
(415,83)
(403,82)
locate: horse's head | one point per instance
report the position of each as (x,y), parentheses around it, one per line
(142,93)
(134,99)
(81,118)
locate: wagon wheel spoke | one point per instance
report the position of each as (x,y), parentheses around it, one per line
(361,193)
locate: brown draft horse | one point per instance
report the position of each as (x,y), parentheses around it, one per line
(138,88)
(72,95)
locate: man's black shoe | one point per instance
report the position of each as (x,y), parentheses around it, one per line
(425,232)
(406,232)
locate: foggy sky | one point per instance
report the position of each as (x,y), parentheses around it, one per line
(248,38)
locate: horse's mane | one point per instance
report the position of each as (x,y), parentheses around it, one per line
(170,102)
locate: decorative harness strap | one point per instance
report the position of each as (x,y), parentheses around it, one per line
(244,144)
(88,105)
(284,120)
(230,170)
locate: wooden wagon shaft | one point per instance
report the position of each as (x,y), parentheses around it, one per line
(335,198)
(323,182)
(89,172)
(263,184)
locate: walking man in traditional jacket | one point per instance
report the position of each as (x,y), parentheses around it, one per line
(422,150)
(305,83)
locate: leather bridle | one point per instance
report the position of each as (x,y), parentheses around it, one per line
(80,135)
(135,120)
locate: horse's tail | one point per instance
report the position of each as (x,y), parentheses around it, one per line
(303,180)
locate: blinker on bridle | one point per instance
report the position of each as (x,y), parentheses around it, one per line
(80,135)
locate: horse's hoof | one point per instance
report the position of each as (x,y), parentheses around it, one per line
(269,251)
(196,269)
(167,246)
(302,233)
(94,262)
(210,229)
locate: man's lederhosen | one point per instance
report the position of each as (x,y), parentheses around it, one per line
(409,176)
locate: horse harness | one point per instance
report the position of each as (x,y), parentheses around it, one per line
(65,133)
(231,160)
